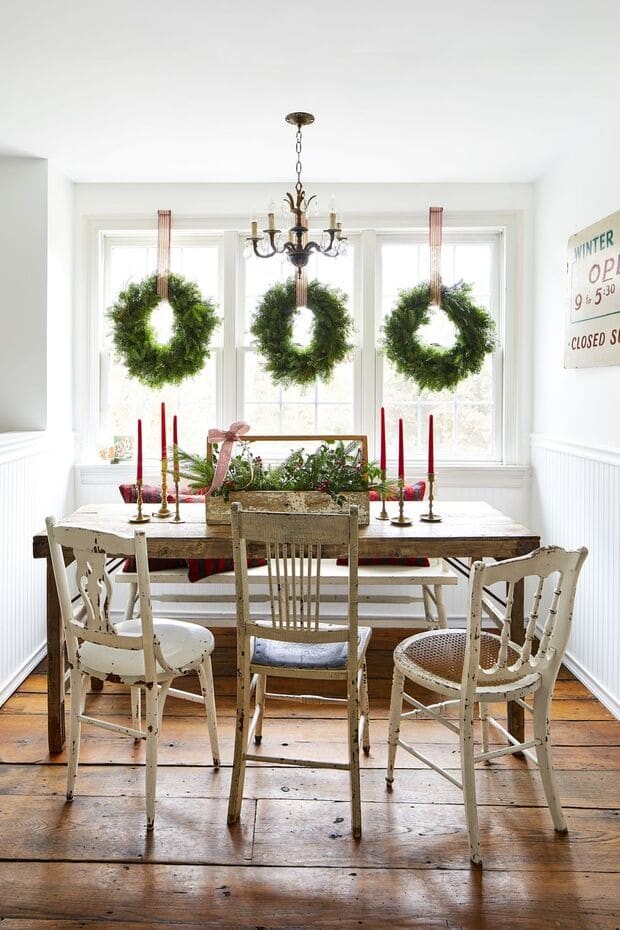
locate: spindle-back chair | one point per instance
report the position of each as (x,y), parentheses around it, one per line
(292,641)
(472,667)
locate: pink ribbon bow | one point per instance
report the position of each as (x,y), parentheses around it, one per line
(228,437)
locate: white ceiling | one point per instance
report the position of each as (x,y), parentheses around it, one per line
(403,90)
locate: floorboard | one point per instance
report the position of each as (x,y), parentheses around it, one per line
(291,862)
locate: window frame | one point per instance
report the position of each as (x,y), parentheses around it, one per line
(512,270)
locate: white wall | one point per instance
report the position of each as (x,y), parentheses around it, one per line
(36,438)
(23,293)
(576,446)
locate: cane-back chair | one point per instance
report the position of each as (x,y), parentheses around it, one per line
(147,654)
(291,641)
(470,667)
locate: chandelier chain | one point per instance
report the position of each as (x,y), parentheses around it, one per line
(298,186)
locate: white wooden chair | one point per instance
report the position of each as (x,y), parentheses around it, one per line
(147,653)
(471,667)
(293,642)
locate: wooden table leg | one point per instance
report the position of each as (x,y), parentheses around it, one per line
(55,668)
(516,714)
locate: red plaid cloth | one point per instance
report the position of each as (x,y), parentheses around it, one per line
(197,569)
(151,494)
(413,492)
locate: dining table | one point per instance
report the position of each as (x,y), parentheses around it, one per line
(467,531)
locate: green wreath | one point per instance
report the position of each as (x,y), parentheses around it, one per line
(272,327)
(135,342)
(433,367)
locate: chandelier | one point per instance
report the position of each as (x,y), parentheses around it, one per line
(297,248)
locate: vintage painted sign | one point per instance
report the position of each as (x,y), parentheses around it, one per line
(593,330)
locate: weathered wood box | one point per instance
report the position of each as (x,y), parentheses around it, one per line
(218,509)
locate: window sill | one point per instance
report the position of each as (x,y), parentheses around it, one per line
(469,475)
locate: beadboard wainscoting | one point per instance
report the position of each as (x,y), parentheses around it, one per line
(35,481)
(576,502)
(501,486)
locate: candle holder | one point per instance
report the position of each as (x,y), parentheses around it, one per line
(430,517)
(139,517)
(384,515)
(177,515)
(164,511)
(401,519)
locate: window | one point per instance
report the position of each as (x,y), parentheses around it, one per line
(124,399)
(467,420)
(322,408)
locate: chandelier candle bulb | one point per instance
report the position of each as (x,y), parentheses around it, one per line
(254,228)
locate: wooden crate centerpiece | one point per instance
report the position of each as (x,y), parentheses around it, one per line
(288,500)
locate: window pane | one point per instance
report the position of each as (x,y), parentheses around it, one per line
(464,418)
(321,407)
(194,401)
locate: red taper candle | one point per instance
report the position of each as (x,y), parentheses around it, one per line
(383,462)
(164,452)
(175,448)
(401,451)
(431,446)
(139,468)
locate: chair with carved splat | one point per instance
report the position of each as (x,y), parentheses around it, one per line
(470,667)
(147,653)
(291,641)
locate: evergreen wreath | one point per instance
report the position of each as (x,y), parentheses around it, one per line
(135,342)
(272,327)
(433,367)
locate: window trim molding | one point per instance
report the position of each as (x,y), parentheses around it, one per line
(516,266)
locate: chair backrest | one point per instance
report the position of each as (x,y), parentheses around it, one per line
(292,544)
(90,622)
(556,572)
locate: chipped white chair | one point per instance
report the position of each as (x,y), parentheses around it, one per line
(469,667)
(292,641)
(148,653)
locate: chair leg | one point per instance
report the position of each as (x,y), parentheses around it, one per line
(542,704)
(353,707)
(241,738)
(442,618)
(152,739)
(131,602)
(75,727)
(136,709)
(261,687)
(484,717)
(431,622)
(205,674)
(365,708)
(469,782)
(396,706)
(162,694)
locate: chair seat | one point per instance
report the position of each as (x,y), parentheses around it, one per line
(183,645)
(439,655)
(278,654)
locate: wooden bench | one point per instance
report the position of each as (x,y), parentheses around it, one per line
(430,579)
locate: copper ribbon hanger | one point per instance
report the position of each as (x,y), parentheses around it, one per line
(435,224)
(164,224)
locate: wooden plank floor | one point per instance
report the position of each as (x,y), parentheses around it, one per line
(291,862)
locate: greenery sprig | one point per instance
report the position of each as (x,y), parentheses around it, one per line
(432,367)
(334,468)
(272,327)
(134,337)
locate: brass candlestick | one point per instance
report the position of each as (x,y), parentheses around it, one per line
(139,517)
(177,515)
(164,512)
(384,515)
(401,519)
(430,517)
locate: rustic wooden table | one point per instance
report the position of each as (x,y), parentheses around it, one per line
(469,530)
